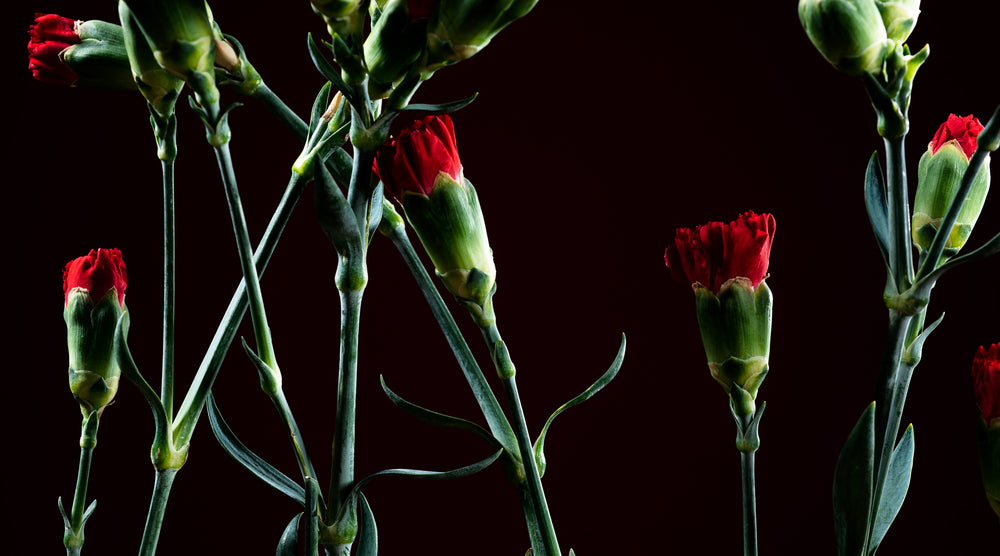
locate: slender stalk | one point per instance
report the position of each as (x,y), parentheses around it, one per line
(549,543)
(157,509)
(82,479)
(194,401)
(281,110)
(169,289)
(73,537)
(305,464)
(530,516)
(261,331)
(342,478)
(749,504)
(900,251)
(533,481)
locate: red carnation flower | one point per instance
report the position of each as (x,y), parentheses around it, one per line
(412,161)
(715,252)
(986,379)
(964,130)
(50,36)
(97,273)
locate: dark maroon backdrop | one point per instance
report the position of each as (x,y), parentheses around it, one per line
(599,128)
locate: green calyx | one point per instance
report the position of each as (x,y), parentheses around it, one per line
(939,177)
(93,371)
(462,27)
(393,47)
(736,332)
(160,87)
(850,34)
(100,59)
(899,17)
(342,17)
(450,225)
(988,436)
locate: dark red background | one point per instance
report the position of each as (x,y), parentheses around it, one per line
(599,128)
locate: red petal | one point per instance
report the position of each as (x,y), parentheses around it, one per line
(97,272)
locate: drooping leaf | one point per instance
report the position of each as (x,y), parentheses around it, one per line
(852,487)
(439,419)
(594,388)
(367,540)
(897,481)
(331,73)
(260,468)
(288,544)
(442,108)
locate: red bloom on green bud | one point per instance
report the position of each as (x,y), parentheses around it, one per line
(412,161)
(986,379)
(962,129)
(49,36)
(714,253)
(96,273)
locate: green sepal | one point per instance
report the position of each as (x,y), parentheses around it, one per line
(254,463)
(243,77)
(288,544)
(735,329)
(270,379)
(439,419)
(329,72)
(897,481)
(594,388)
(367,540)
(747,416)
(74,538)
(852,487)
(940,177)
(875,204)
(217,133)
(393,46)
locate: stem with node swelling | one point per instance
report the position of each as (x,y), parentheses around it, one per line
(532,482)
(73,537)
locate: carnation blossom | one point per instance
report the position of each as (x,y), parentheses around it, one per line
(962,129)
(50,35)
(986,380)
(96,273)
(715,252)
(412,161)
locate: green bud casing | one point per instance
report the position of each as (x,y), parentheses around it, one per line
(939,176)
(90,332)
(450,225)
(462,27)
(99,59)
(393,46)
(736,332)
(160,87)
(899,17)
(180,34)
(849,33)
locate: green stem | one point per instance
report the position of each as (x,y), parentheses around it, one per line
(533,481)
(157,508)
(749,504)
(281,110)
(257,314)
(305,464)
(488,404)
(900,252)
(194,401)
(343,441)
(169,290)
(530,516)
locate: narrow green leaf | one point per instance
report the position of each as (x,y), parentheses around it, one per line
(254,463)
(430,475)
(897,481)
(594,388)
(288,544)
(852,487)
(367,540)
(320,105)
(923,286)
(442,108)
(326,68)
(875,203)
(439,419)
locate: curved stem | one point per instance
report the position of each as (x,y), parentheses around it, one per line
(281,110)
(157,508)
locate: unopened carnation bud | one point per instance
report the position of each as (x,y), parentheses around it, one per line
(78,53)
(159,86)
(422,170)
(939,176)
(462,27)
(94,297)
(396,42)
(899,17)
(850,34)
(342,17)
